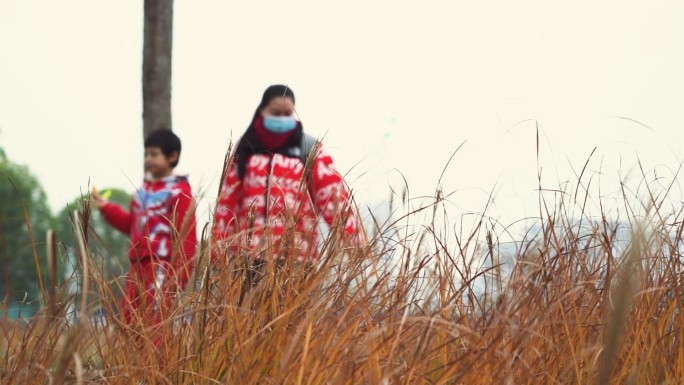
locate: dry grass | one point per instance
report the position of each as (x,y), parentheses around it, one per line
(577,307)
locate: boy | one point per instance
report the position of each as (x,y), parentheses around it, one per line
(161,225)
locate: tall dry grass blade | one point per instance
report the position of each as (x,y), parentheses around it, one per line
(65,355)
(52,273)
(79,369)
(622,299)
(5,256)
(227,163)
(79,231)
(302,365)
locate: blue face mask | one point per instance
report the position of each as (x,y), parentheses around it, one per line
(279,124)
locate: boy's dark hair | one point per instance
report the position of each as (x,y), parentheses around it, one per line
(167,141)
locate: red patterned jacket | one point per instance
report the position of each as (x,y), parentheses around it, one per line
(253,213)
(159,213)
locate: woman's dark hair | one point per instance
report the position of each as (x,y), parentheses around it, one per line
(272,92)
(249,143)
(167,141)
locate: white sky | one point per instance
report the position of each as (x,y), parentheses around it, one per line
(393,85)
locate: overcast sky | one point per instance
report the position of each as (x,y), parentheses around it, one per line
(394,86)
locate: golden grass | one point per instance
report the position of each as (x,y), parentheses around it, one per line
(573,309)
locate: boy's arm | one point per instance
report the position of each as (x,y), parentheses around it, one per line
(331,195)
(117,217)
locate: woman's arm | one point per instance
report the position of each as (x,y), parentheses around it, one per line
(331,195)
(225,216)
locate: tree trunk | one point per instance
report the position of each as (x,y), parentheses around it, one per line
(158,38)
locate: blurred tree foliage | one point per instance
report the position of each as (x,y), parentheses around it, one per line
(23,206)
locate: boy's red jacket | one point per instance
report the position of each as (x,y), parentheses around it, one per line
(253,213)
(160,213)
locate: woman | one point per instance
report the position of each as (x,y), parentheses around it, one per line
(270,202)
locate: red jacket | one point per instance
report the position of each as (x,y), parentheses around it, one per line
(254,212)
(159,214)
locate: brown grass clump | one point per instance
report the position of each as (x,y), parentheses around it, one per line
(578,306)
